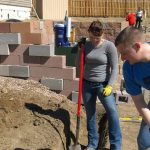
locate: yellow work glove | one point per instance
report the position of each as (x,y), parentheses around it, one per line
(107,90)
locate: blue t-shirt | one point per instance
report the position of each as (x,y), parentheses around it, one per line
(136,76)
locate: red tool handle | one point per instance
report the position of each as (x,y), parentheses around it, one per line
(80,80)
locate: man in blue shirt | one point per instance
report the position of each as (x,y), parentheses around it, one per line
(136,71)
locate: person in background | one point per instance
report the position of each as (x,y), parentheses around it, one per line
(100,72)
(130,18)
(139,14)
(136,71)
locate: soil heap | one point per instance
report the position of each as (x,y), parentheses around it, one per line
(35,118)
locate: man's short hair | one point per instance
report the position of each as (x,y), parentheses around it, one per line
(128,36)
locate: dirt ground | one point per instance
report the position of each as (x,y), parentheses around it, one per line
(34,118)
(129,129)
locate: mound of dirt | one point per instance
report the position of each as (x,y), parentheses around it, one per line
(35,118)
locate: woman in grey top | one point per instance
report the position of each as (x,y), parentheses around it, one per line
(100,71)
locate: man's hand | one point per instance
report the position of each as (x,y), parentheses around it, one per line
(107,90)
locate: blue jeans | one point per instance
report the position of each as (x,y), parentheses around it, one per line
(90,92)
(143,139)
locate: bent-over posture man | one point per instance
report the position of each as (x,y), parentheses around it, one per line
(136,72)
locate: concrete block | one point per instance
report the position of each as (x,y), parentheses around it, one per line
(70,53)
(4,49)
(72,85)
(35,38)
(122,85)
(5,27)
(29,60)
(74,97)
(54,61)
(25,27)
(48,25)
(19,71)
(67,93)
(41,50)
(64,73)
(122,97)
(52,83)
(4,70)
(20,50)
(10,60)
(10,38)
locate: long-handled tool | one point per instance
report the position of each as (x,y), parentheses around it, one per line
(77,146)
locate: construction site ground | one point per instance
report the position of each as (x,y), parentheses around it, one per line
(35,118)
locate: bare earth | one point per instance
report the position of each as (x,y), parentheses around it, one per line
(34,118)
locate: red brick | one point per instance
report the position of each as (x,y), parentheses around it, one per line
(67,93)
(35,38)
(54,61)
(29,60)
(9,60)
(21,49)
(5,27)
(48,25)
(51,37)
(58,73)
(72,85)
(25,27)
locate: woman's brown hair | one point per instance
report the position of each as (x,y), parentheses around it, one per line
(96,28)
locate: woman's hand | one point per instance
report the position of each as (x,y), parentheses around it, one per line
(107,90)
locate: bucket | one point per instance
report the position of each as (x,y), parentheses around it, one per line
(59,34)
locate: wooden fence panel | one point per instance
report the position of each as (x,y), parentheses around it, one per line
(106,8)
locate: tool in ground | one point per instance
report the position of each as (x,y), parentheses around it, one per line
(76,145)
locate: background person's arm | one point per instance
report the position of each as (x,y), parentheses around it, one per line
(142,107)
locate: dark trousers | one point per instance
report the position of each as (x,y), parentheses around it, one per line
(138,22)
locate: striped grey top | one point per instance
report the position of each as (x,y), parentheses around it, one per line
(101,63)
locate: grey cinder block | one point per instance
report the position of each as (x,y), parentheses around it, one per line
(122,96)
(122,85)
(41,50)
(74,97)
(4,49)
(52,83)
(19,71)
(10,38)
(4,70)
